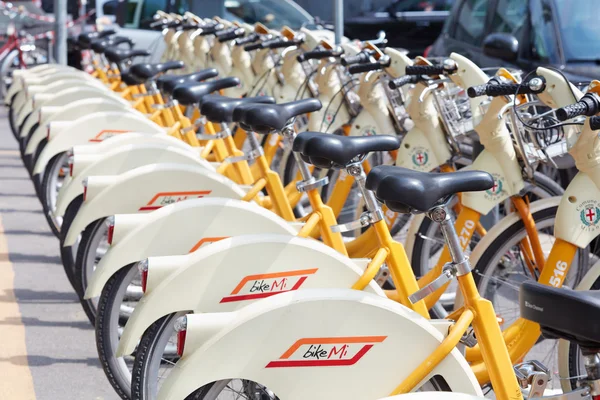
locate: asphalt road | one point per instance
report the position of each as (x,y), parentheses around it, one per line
(47,345)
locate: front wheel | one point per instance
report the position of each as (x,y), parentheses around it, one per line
(569,354)
(54,177)
(503,267)
(429,242)
(92,247)
(114,308)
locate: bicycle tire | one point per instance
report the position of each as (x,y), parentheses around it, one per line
(89,237)
(24,140)
(45,191)
(105,340)
(67,253)
(418,258)
(573,355)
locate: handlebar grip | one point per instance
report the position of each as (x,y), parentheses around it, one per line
(315,55)
(572,111)
(245,40)
(588,105)
(360,68)
(228,35)
(253,46)
(425,69)
(496,88)
(595,123)
(476,91)
(403,80)
(278,44)
(357,59)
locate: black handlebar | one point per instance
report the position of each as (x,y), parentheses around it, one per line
(497,88)
(588,105)
(439,69)
(595,123)
(360,58)
(403,80)
(360,68)
(280,43)
(316,55)
(230,34)
(253,37)
(253,46)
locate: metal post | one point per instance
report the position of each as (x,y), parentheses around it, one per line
(60,30)
(338,20)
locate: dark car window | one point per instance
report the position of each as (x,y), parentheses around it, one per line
(509,16)
(470,24)
(419,5)
(272,13)
(544,43)
(579,25)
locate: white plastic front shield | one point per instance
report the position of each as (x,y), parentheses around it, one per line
(233,273)
(94,128)
(425,146)
(214,218)
(338,343)
(578,216)
(125,158)
(148,188)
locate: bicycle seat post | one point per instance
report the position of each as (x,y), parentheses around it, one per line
(374,213)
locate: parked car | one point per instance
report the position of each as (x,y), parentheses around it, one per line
(525,34)
(410,24)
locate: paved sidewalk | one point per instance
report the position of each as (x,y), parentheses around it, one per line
(47,345)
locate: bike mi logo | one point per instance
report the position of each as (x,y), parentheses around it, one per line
(105,134)
(420,157)
(326,352)
(165,198)
(589,214)
(259,286)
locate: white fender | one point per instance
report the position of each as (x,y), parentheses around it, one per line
(68,112)
(424,147)
(121,159)
(36,92)
(21,76)
(265,340)
(71,95)
(87,154)
(234,272)
(19,84)
(93,128)
(111,142)
(213,218)
(147,188)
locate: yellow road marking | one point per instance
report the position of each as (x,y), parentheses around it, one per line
(16,381)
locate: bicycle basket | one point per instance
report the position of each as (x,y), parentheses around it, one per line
(537,138)
(454,108)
